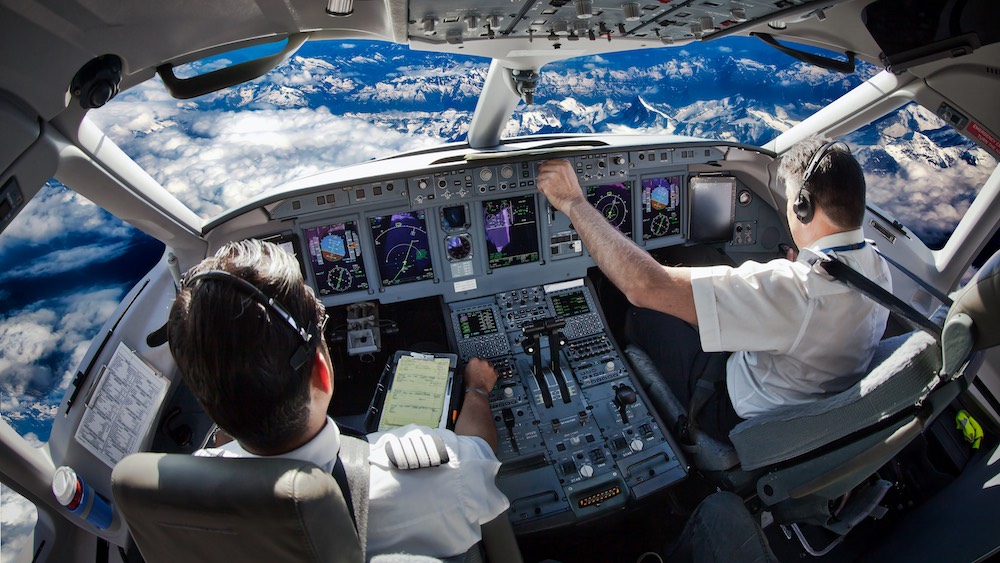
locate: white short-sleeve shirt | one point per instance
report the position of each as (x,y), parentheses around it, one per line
(436,511)
(797,335)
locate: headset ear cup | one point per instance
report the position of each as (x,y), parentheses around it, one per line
(803,207)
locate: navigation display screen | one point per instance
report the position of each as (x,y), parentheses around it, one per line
(511,231)
(476,323)
(713,209)
(401,248)
(335,255)
(614,201)
(570,304)
(661,215)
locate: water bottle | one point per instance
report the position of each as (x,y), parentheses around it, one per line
(79,498)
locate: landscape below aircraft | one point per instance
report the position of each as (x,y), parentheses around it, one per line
(455,245)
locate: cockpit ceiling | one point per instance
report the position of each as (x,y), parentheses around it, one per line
(558,21)
(44,44)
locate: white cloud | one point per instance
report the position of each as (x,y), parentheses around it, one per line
(17,520)
(927,198)
(55,213)
(41,347)
(212,160)
(67,260)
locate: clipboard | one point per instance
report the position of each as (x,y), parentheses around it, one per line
(415,388)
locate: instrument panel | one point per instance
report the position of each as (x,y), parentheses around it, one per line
(508,277)
(480,227)
(577,436)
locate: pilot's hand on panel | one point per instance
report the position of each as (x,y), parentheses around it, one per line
(480,374)
(558,181)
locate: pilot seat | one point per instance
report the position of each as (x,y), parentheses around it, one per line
(798,459)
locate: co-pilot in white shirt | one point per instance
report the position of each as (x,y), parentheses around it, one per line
(797,335)
(435,511)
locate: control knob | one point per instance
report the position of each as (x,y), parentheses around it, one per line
(587,471)
(636,444)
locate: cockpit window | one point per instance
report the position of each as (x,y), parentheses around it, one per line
(921,171)
(330,105)
(735,89)
(65,264)
(338,103)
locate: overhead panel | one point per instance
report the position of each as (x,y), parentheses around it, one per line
(559,21)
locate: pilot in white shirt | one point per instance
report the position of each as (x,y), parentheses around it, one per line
(247,335)
(433,511)
(796,334)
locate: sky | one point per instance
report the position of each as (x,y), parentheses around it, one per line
(65,264)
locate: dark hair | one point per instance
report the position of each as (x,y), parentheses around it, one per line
(837,184)
(233,352)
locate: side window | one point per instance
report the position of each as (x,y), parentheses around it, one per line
(64,266)
(921,171)
(17,521)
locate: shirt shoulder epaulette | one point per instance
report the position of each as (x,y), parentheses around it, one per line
(416,450)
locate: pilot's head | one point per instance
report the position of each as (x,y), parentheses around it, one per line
(823,181)
(245,331)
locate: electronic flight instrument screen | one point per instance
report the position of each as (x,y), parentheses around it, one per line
(570,304)
(335,254)
(402,248)
(661,214)
(477,323)
(614,201)
(511,231)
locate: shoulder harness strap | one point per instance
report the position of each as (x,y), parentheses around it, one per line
(845,274)
(352,474)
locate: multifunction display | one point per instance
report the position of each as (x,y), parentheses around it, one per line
(661,215)
(569,304)
(614,201)
(402,248)
(335,255)
(511,231)
(476,323)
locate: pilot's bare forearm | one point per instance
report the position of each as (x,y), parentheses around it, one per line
(475,419)
(637,274)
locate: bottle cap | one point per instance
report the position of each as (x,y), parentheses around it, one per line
(64,485)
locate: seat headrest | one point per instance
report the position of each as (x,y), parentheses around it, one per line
(980,301)
(187,508)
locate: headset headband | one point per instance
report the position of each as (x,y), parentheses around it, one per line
(818,157)
(308,335)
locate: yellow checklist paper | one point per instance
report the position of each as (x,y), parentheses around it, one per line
(418,392)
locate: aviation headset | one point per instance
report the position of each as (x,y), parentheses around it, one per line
(803,205)
(309,336)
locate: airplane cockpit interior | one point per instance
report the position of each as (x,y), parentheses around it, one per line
(452,250)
